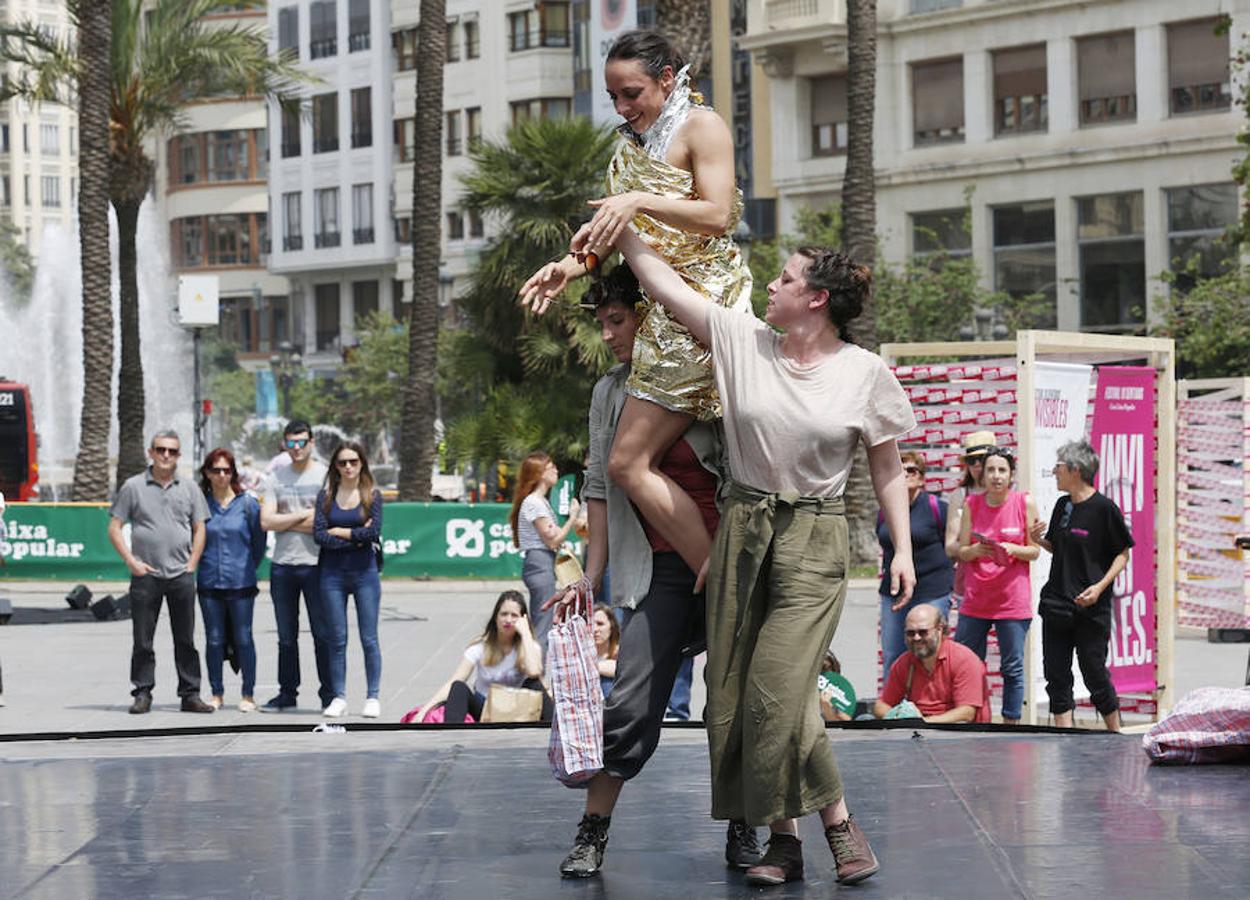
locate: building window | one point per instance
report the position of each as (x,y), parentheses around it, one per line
(49,139)
(357,25)
(472,40)
(403,229)
(326,210)
(473,126)
(255,325)
(229,241)
(362,117)
(453,133)
(518,31)
(455,225)
(227,156)
(554,23)
(541,108)
(185,155)
(292,221)
(923,6)
(405,139)
(51,185)
(1112,254)
(1198,69)
(25,137)
(828,115)
(1020,90)
(476,228)
(453,42)
(73,141)
(4,137)
(1198,217)
(938,101)
(322,31)
(404,43)
(325,123)
(362,213)
(1024,253)
(1107,77)
(941,233)
(290,129)
(364,301)
(7,187)
(326,303)
(188,242)
(288,31)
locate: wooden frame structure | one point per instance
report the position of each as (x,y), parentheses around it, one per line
(1031,347)
(1213,503)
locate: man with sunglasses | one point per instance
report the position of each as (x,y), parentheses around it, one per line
(290,493)
(166,515)
(944,679)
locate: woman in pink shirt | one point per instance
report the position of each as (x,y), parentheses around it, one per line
(995,543)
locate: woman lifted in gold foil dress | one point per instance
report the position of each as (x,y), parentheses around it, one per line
(673,177)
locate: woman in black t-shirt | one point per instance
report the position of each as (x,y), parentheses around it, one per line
(1090,543)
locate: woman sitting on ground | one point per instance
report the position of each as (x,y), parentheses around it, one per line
(607,634)
(505,653)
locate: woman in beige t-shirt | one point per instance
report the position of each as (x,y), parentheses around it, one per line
(798,399)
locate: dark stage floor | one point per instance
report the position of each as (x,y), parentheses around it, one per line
(476,815)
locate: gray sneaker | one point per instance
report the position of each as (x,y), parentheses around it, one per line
(742,847)
(586,856)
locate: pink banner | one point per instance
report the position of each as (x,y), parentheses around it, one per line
(1123,436)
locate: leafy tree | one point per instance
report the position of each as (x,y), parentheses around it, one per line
(535,373)
(15,262)
(1210,324)
(163,57)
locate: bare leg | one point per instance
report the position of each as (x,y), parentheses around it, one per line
(601,794)
(834,813)
(644,434)
(1113,720)
(1063,719)
(785,826)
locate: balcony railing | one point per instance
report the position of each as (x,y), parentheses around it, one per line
(530,40)
(292,242)
(1210,97)
(453,146)
(1109,109)
(362,138)
(328,239)
(289,149)
(780,15)
(362,235)
(924,6)
(322,48)
(358,41)
(325,145)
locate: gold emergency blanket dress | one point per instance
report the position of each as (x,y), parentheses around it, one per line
(670,367)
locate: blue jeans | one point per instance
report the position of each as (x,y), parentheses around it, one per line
(365,586)
(286,583)
(679,699)
(893,643)
(214,605)
(1011,633)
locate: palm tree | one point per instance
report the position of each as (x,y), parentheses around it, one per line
(416,449)
(162,59)
(535,374)
(859,233)
(48,69)
(91,477)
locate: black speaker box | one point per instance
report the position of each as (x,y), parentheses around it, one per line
(1228,635)
(6,610)
(104,609)
(79,597)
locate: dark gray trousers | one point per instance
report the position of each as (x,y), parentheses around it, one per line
(146,593)
(652,639)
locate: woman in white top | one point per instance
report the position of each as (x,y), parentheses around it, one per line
(797,401)
(537,536)
(505,653)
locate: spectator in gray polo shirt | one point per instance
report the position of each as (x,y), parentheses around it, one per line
(166,515)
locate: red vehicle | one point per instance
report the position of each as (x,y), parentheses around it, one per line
(19,469)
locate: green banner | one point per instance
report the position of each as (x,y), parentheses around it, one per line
(420,540)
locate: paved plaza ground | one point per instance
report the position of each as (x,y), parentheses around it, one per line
(74,676)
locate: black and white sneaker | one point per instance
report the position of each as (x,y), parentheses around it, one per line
(586,856)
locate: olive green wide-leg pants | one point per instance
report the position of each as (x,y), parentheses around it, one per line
(776,586)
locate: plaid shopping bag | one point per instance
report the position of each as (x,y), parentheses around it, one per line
(576,747)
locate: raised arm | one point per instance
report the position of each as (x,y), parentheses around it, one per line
(665,286)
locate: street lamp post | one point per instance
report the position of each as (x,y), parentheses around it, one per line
(285,364)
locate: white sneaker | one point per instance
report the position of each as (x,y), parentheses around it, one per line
(372,709)
(336,709)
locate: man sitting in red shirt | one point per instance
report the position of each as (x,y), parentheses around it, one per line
(945,680)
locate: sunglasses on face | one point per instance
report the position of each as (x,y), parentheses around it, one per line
(221,470)
(911,470)
(296,443)
(344,463)
(910,633)
(166,451)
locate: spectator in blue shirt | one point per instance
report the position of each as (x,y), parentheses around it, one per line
(226,581)
(347,525)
